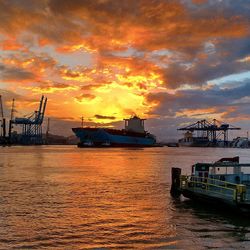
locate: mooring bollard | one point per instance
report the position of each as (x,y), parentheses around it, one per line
(175,187)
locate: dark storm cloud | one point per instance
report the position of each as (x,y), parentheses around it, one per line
(103,117)
(8,73)
(227,8)
(202,71)
(216,59)
(217,98)
(234,48)
(16,16)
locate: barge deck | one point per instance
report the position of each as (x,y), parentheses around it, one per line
(221,183)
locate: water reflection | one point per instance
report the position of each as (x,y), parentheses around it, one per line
(66,198)
(214,227)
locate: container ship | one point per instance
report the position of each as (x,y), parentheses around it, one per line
(133,135)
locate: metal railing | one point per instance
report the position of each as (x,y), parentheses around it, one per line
(210,186)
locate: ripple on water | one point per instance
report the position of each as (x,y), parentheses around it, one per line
(67,198)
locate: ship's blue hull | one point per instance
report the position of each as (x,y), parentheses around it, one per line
(103,137)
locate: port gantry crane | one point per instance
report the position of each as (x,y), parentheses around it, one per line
(4,139)
(213,131)
(2,123)
(32,125)
(11,119)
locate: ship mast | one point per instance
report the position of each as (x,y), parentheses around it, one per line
(82,119)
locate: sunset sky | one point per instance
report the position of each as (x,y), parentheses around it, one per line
(171,62)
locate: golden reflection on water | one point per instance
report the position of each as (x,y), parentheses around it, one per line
(70,198)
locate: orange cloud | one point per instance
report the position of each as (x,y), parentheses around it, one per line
(138,48)
(83,97)
(10,44)
(201,113)
(50,87)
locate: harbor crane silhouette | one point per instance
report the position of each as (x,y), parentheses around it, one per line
(212,130)
(32,125)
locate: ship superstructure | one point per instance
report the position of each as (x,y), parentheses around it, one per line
(133,135)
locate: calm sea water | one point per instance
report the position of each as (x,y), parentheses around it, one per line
(63,197)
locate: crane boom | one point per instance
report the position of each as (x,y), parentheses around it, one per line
(41,103)
(11,119)
(31,125)
(3,125)
(12,110)
(43,111)
(1,107)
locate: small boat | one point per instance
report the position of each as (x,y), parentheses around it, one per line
(172,144)
(225,182)
(87,144)
(106,144)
